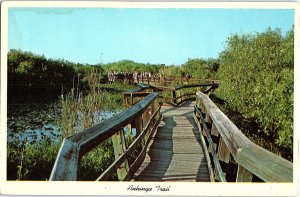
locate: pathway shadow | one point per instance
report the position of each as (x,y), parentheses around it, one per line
(160,153)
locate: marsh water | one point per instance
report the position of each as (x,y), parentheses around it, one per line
(33,123)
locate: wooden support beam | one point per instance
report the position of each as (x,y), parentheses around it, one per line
(180,98)
(125,100)
(223,152)
(139,129)
(118,141)
(174,96)
(139,124)
(216,175)
(212,146)
(208,118)
(214,131)
(131,99)
(129,129)
(243,175)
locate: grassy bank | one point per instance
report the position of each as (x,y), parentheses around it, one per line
(34,161)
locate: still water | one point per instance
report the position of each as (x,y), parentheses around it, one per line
(27,132)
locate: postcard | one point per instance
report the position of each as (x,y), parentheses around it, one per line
(149,98)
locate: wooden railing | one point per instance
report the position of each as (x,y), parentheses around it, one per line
(163,81)
(144,116)
(170,95)
(133,96)
(227,147)
(183,93)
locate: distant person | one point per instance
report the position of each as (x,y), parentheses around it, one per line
(110,77)
(135,77)
(188,76)
(161,78)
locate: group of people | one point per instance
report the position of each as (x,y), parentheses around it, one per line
(114,76)
(139,77)
(129,77)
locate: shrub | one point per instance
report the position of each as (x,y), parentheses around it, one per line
(201,68)
(256,73)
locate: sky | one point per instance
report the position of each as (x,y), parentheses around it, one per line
(155,36)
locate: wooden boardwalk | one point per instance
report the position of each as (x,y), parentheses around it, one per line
(175,152)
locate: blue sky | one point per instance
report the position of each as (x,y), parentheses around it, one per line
(164,36)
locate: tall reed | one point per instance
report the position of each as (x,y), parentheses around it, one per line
(80,110)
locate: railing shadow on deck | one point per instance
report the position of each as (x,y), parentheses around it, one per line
(160,153)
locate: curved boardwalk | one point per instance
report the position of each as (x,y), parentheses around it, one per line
(175,152)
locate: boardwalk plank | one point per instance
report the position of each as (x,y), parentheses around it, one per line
(175,153)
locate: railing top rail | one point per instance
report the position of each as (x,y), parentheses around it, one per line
(146,86)
(140,88)
(108,127)
(264,164)
(163,87)
(195,85)
(75,146)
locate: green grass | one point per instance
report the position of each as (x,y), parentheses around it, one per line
(31,161)
(35,161)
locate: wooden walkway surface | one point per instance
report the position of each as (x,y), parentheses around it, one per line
(175,152)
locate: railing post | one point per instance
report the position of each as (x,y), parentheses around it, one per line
(223,152)
(203,111)
(131,99)
(243,175)
(129,126)
(197,102)
(125,100)
(213,133)
(152,109)
(180,96)
(145,118)
(139,129)
(174,96)
(118,141)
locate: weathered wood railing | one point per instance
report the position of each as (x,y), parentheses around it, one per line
(187,92)
(171,95)
(166,81)
(133,96)
(156,80)
(227,147)
(144,116)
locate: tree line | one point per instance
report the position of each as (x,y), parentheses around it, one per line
(35,78)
